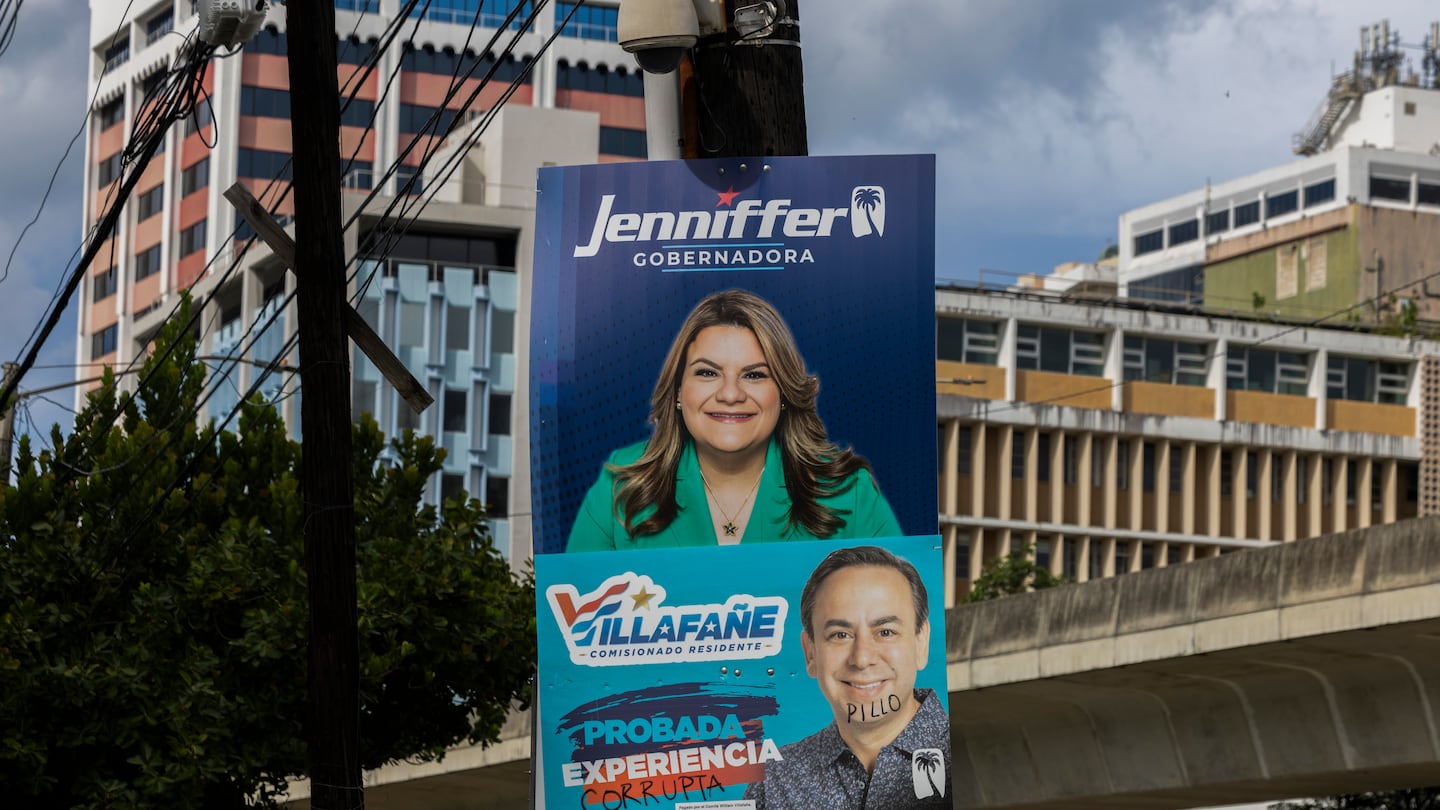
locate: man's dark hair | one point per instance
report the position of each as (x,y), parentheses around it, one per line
(871,556)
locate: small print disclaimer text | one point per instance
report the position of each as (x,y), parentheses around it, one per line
(736,804)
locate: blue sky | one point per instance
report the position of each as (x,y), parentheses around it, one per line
(1048,118)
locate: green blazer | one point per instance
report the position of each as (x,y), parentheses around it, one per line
(598,528)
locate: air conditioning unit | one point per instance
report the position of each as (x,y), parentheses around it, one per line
(228,23)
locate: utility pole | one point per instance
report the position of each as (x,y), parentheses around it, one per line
(7,426)
(748,86)
(334,681)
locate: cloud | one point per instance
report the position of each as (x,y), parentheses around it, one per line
(1051,118)
(42,93)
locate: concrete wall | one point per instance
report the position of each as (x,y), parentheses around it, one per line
(1304,669)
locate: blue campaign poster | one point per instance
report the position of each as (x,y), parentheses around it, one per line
(686,678)
(841,247)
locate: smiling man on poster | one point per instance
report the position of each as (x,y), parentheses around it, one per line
(865,615)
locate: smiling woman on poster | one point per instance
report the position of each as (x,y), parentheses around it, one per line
(738,452)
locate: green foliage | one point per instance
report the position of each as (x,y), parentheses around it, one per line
(1110,252)
(1418,799)
(1012,574)
(153,606)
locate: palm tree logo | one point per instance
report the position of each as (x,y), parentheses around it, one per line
(867,211)
(927,761)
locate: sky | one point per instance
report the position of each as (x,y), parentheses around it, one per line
(1048,119)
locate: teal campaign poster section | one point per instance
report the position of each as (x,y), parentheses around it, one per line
(842,247)
(675,677)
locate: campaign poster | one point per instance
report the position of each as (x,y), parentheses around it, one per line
(842,247)
(685,678)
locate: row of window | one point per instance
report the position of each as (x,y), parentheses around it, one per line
(1268,207)
(1398,189)
(267,102)
(587,21)
(487,13)
(627,142)
(600,79)
(1176,362)
(351,51)
(446,62)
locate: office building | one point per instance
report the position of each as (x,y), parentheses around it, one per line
(442,250)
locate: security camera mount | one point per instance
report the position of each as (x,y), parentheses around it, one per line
(228,23)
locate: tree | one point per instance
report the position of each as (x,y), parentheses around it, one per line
(1011,574)
(1417,799)
(153,606)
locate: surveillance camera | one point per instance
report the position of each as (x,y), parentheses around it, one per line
(658,32)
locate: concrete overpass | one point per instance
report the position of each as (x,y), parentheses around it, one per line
(1304,669)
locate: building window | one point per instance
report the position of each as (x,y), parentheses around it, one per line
(1321,192)
(265,102)
(1247,214)
(408,180)
(1176,362)
(491,13)
(449,63)
(1282,204)
(350,50)
(1390,188)
(202,117)
(1071,461)
(104,341)
(107,171)
(195,178)
(1274,372)
(268,41)
(1429,194)
(1182,232)
(1147,467)
(357,112)
(965,341)
(502,332)
(357,175)
(261,164)
(1149,242)
(456,405)
(1360,380)
(1177,467)
(159,25)
(117,55)
(1227,474)
(192,238)
(1302,478)
(616,81)
(451,486)
(1217,221)
(362,6)
(147,262)
(1017,455)
(150,86)
(416,118)
(497,497)
(964,448)
(499,420)
(149,203)
(1063,351)
(590,22)
(102,285)
(626,142)
(111,114)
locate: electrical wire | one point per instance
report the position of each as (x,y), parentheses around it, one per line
(9,20)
